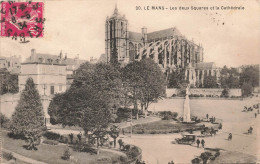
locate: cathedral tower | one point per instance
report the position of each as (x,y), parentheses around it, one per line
(116,39)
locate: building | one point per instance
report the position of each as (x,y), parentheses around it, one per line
(168,48)
(71,64)
(12,64)
(50,76)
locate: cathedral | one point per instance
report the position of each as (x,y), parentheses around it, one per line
(168,48)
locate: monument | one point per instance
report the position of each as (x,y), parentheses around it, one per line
(186,108)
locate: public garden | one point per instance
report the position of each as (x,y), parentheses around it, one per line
(95,121)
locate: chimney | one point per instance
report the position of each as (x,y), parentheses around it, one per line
(33,55)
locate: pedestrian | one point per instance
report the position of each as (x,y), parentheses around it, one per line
(202,143)
(251,130)
(255,115)
(198,143)
(214,119)
(79,137)
(123,130)
(220,126)
(207,115)
(230,136)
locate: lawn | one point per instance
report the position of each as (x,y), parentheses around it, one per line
(234,157)
(52,153)
(162,127)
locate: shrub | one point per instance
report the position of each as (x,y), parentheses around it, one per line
(133,152)
(225,93)
(51,135)
(8,156)
(123,158)
(120,142)
(50,142)
(104,159)
(5,121)
(66,154)
(174,95)
(127,147)
(64,139)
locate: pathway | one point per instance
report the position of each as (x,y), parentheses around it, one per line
(23,158)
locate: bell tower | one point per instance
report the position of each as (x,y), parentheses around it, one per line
(116,41)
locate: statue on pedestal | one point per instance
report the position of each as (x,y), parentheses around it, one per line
(186,108)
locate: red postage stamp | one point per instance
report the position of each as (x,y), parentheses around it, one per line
(22,19)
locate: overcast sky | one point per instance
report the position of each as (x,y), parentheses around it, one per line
(78,27)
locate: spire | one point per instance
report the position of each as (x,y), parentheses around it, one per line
(116,10)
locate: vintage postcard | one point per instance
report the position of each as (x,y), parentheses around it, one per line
(130,81)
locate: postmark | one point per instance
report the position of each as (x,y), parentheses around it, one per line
(22,19)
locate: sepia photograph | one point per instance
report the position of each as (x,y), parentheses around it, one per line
(130,82)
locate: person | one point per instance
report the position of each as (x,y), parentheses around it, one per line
(220,126)
(251,129)
(255,115)
(198,143)
(79,137)
(207,115)
(214,119)
(202,143)
(230,136)
(123,130)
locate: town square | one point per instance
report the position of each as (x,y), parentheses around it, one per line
(110,82)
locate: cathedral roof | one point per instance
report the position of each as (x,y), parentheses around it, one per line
(205,65)
(135,36)
(163,34)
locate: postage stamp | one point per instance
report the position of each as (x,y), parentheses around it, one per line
(22,19)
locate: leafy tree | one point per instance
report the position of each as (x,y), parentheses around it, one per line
(146,82)
(210,82)
(93,93)
(28,118)
(176,78)
(8,82)
(229,77)
(250,75)
(114,133)
(247,89)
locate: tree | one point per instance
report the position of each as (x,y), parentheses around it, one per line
(176,78)
(250,75)
(8,82)
(114,133)
(229,77)
(93,93)
(247,89)
(28,118)
(146,81)
(210,82)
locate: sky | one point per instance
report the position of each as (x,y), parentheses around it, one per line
(229,37)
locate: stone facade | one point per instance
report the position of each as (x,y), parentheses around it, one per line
(71,64)
(48,78)
(168,48)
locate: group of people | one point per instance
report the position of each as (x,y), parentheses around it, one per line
(212,119)
(202,142)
